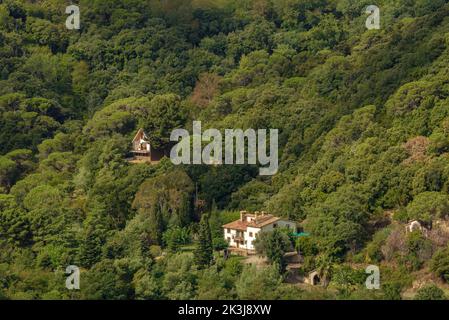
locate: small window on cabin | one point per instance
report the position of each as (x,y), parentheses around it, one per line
(250,234)
(228,230)
(229,239)
(275,225)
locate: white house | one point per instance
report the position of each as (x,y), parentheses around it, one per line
(242,233)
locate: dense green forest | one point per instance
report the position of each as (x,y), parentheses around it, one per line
(363,119)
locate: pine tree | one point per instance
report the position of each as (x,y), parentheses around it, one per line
(93,239)
(204,250)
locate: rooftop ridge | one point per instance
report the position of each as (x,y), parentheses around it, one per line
(256,219)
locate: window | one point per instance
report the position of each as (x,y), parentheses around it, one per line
(228,230)
(229,239)
(275,225)
(250,234)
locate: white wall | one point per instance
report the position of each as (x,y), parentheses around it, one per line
(232,242)
(280,224)
(249,236)
(249,239)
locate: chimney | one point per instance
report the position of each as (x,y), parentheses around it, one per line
(243,215)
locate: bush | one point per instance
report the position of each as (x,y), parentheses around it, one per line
(440,263)
(430,292)
(306,246)
(274,244)
(347,280)
(175,237)
(419,250)
(392,291)
(255,283)
(219,243)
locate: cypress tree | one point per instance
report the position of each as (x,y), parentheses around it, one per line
(156,224)
(204,250)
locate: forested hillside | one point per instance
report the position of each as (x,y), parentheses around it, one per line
(363,119)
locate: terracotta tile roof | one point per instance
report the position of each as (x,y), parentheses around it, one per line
(263,221)
(237,225)
(260,222)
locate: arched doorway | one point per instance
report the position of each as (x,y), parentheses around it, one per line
(315,279)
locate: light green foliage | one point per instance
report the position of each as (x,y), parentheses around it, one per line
(428,206)
(256,284)
(180,277)
(430,292)
(306,246)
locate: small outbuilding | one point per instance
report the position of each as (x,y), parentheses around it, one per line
(418,225)
(313,279)
(143,151)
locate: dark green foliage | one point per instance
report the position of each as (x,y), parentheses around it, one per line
(165,201)
(392,291)
(204,249)
(274,244)
(108,280)
(14,224)
(175,237)
(305,246)
(374,248)
(419,250)
(93,239)
(440,263)
(347,280)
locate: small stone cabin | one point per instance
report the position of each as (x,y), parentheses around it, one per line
(313,278)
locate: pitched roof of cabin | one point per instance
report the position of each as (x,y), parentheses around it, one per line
(140,131)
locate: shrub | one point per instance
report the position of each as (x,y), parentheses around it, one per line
(440,263)
(430,292)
